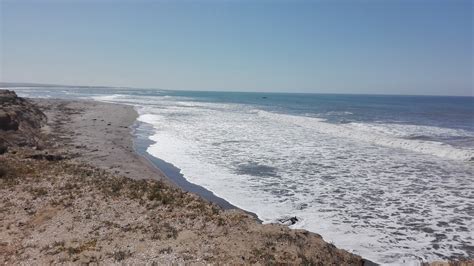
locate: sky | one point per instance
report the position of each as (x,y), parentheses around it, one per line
(339,46)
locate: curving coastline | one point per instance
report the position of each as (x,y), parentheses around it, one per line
(87,197)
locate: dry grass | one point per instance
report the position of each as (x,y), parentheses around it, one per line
(103,218)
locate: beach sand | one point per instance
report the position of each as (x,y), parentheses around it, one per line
(98,133)
(79,193)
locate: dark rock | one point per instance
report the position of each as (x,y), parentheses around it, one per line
(20,120)
(3,146)
(3,149)
(47,157)
(6,122)
(3,171)
(288,220)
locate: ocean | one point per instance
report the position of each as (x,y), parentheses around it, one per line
(390,178)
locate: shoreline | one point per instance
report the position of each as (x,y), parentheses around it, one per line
(129,144)
(102,139)
(87,196)
(173,173)
(141,142)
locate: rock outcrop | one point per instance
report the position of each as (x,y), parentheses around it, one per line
(20,122)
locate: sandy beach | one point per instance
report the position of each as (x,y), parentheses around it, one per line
(98,133)
(77,192)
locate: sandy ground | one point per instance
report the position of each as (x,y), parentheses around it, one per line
(98,133)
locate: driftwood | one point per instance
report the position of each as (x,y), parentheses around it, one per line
(289,220)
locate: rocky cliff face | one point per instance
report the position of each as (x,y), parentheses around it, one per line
(20,122)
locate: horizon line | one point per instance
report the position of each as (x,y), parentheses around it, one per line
(33,84)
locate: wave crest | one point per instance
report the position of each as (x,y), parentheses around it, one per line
(378,135)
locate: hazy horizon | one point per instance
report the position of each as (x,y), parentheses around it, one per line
(344,47)
(42,85)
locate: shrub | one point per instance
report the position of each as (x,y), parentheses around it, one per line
(116,187)
(158,192)
(38,192)
(171,232)
(121,255)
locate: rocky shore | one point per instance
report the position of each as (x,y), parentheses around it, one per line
(73,190)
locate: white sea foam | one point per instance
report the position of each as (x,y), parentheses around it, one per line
(365,187)
(384,135)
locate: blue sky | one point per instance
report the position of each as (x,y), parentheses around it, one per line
(356,46)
